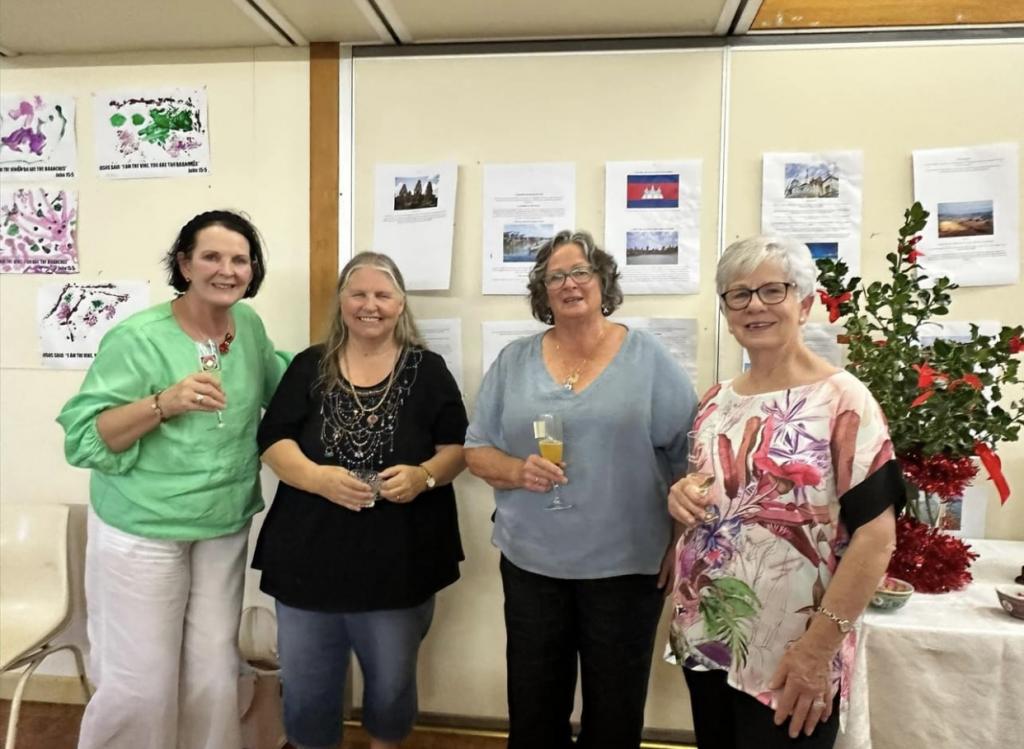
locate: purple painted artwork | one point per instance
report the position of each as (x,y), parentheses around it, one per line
(37,137)
(37,231)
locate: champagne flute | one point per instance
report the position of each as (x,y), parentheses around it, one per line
(209,363)
(547,430)
(699,467)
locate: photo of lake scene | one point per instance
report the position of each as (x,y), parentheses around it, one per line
(652,247)
(968,219)
(521,242)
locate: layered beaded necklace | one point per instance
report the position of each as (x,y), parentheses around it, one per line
(359,425)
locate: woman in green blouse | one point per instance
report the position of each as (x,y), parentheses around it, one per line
(166,419)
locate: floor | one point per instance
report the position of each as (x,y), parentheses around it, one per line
(44,725)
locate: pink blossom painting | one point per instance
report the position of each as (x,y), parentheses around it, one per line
(37,231)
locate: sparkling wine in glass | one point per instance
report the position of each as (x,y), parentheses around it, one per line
(547,430)
(699,467)
(209,363)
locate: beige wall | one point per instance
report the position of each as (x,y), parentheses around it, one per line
(258,112)
(886,102)
(587,109)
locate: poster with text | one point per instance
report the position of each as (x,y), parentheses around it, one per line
(73,318)
(151,133)
(414,220)
(38,230)
(37,137)
(973,196)
(816,198)
(525,205)
(443,336)
(652,224)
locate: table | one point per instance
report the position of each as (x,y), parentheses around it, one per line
(946,670)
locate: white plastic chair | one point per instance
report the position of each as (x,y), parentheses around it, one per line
(35,594)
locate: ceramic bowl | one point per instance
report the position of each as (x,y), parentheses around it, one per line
(891,594)
(1011,598)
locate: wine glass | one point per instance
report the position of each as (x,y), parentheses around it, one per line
(209,363)
(371,478)
(547,430)
(699,466)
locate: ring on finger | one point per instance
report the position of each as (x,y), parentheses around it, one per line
(818,703)
(199,397)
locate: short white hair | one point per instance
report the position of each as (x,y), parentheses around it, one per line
(743,257)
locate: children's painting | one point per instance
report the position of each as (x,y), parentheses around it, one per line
(37,231)
(37,137)
(161,133)
(74,317)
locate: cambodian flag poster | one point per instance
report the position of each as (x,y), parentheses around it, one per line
(652,191)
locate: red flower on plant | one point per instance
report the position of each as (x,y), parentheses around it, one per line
(1016,345)
(927,376)
(968,379)
(921,398)
(833,302)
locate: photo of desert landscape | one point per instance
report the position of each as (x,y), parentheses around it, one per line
(967,219)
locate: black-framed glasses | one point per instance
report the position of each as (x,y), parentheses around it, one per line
(557,279)
(773,292)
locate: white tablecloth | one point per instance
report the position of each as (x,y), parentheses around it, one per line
(945,670)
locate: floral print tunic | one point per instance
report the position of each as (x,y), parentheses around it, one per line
(796,471)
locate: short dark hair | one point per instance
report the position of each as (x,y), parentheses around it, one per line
(186,242)
(604,266)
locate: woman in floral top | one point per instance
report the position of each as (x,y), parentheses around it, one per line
(790,517)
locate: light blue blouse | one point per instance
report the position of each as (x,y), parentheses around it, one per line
(625,442)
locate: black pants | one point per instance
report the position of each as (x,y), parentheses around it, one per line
(726,718)
(609,624)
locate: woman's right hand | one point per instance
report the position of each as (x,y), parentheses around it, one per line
(688,499)
(538,475)
(337,485)
(197,392)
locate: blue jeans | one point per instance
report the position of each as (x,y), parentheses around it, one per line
(609,625)
(314,650)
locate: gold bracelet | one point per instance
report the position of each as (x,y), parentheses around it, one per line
(156,406)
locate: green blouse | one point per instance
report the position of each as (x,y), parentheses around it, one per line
(187,479)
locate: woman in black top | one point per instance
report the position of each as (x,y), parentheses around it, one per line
(348,572)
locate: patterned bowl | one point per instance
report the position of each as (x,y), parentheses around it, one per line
(891,594)
(1011,598)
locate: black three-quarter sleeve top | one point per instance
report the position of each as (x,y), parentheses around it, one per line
(320,556)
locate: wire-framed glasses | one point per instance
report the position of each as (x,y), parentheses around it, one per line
(580,275)
(774,292)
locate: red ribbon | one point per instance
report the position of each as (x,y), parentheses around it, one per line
(833,302)
(995,469)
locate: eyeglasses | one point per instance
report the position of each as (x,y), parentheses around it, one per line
(557,279)
(774,292)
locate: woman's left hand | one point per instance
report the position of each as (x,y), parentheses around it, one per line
(402,483)
(803,688)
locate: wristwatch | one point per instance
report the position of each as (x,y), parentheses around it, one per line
(431,481)
(845,625)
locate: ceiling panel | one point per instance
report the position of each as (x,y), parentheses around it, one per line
(464,20)
(342,21)
(781,15)
(73,26)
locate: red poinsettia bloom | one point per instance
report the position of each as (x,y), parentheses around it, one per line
(833,302)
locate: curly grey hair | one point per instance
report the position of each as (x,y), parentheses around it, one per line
(604,265)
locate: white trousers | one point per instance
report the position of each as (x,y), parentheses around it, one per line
(163,631)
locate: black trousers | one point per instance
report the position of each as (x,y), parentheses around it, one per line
(609,625)
(726,718)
